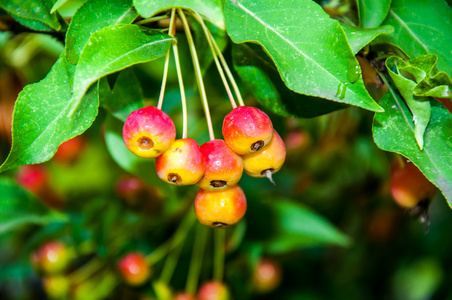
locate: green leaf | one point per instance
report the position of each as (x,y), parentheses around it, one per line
(141,167)
(261,77)
(57,5)
(40,120)
(419,106)
(393,131)
(358,37)
(106,52)
(211,9)
(93,16)
(298,227)
(125,97)
(372,13)
(422,27)
(33,14)
(309,48)
(18,207)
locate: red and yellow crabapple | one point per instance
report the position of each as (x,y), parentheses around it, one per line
(134,268)
(51,258)
(148,132)
(267,276)
(221,208)
(213,290)
(247,129)
(409,186)
(224,167)
(182,164)
(267,161)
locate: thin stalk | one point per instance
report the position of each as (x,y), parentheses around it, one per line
(153,19)
(199,80)
(178,237)
(86,271)
(196,259)
(219,236)
(170,264)
(228,71)
(215,57)
(166,66)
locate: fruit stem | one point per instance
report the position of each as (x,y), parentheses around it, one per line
(165,77)
(172,30)
(86,271)
(170,264)
(215,57)
(228,71)
(178,237)
(219,236)
(150,20)
(196,259)
(199,80)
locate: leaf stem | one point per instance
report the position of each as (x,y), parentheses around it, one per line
(219,236)
(197,68)
(209,38)
(178,237)
(199,246)
(150,20)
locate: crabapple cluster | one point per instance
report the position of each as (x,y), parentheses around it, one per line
(250,144)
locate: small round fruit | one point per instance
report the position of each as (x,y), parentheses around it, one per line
(134,269)
(224,167)
(52,258)
(247,129)
(409,186)
(267,276)
(148,132)
(220,208)
(69,151)
(183,296)
(182,164)
(268,161)
(213,290)
(33,178)
(56,287)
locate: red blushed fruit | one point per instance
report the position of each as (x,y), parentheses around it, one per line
(220,208)
(182,164)
(213,290)
(148,132)
(32,177)
(409,186)
(134,269)
(224,167)
(247,129)
(69,151)
(267,161)
(183,296)
(51,258)
(267,276)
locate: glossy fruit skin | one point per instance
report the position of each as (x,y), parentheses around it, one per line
(134,268)
(267,276)
(182,164)
(224,167)
(409,186)
(247,129)
(148,132)
(220,208)
(51,258)
(270,158)
(213,290)
(56,287)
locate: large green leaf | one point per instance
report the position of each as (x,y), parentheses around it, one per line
(18,207)
(358,37)
(261,77)
(212,9)
(393,130)
(41,120)
(125,97)
(33,13)
(309,48)
(419,106)
(298,227)
(422,27)
(372,13)
(93,16)
(106,52)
